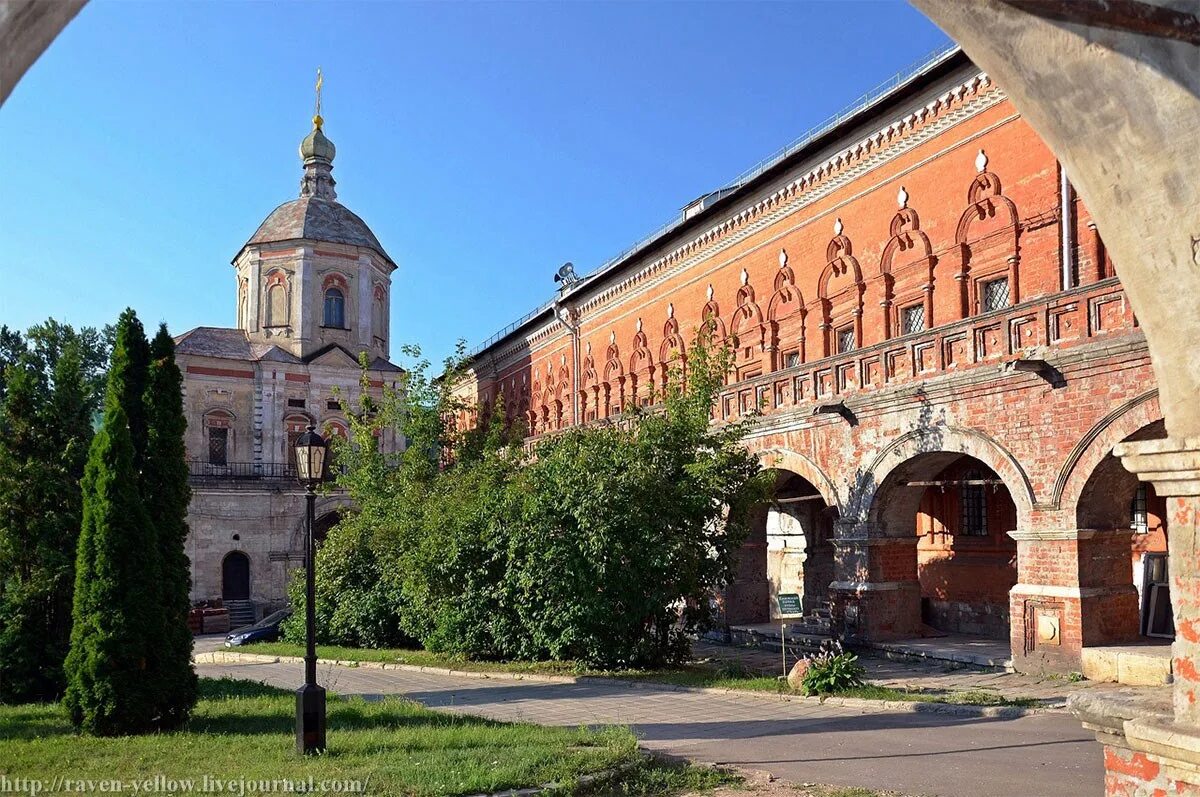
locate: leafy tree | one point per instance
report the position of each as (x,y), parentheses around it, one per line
(47,416)
(166,494)
(12,346)
(603,545)
(116,614)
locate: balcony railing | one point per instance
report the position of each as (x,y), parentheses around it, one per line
(200,472)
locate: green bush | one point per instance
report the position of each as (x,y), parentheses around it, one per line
(831,670)
(601,546)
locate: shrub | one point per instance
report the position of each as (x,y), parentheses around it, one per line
(832,669)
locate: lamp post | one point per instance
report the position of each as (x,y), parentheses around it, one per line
(310,699)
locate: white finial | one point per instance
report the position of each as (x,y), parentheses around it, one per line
(783,258)
(981,161)
(745,277)
(639,325)
(613,337)
(837,227)
(670,310)
(902,198)
(710,292)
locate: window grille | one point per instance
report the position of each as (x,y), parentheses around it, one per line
(791,359)
(973,503)
(335,309)
(218,446)
(845,340)
(995,295)
(913,319)
(1140,519)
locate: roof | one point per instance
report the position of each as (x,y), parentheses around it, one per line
(902,87)
(234,344)
(312,219)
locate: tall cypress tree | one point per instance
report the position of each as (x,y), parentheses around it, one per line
(117,616)
(166,493)
(133,382)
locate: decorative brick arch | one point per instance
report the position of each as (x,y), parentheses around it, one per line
(879,499)
(799,464)
(1098,443)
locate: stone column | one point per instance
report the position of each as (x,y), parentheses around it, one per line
(876,594)
(1074,589)
(1152,737)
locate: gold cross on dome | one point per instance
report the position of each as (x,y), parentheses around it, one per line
(317,120)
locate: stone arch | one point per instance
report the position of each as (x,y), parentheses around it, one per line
(1092,448)
(879,502)
(801,465)
(325,506)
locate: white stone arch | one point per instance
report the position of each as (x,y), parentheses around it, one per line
(803,466)
(880,497)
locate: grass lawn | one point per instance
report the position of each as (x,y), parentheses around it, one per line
(246,731)
(692,675)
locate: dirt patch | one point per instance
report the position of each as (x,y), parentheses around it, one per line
(757,783)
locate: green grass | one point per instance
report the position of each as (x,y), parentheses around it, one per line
(244,730)
(694,675)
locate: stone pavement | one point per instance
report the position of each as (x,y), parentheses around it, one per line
(1041,755)
(1050,691)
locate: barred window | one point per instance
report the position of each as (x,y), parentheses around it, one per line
(845,340)
(791,359)
(1140,519)
(995,295)
(973,502)
(218,446)
(913,319)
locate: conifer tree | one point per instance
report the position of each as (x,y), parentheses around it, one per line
(166,494)
(117,617)
(133,382)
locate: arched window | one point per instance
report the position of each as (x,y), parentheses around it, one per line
(277,304)
(335,308)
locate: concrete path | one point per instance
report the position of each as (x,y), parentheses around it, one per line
(1043,755)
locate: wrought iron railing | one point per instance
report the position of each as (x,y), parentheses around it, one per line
(200,471)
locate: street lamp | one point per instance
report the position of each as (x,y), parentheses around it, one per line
(311,453)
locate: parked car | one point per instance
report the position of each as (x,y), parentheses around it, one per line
(265,630)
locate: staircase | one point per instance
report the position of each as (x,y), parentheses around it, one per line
(241,613)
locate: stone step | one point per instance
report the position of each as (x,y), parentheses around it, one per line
(1132,665)
(241,613)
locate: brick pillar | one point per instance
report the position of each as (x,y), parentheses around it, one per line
(876,595)
(1074,589)
(1152,737)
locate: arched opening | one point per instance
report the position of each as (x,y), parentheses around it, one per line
(1132,521)
(324,524)
(786,564)
(235,577)
(961,512)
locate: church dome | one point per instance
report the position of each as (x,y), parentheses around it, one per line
(316,144)
(317,215)
(312,219)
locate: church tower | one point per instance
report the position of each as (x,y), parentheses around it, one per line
(314,276)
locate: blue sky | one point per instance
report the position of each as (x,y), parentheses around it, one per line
(484,143)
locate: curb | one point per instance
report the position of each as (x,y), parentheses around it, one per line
(898,706)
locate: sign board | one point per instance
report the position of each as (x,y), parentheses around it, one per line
(789,603)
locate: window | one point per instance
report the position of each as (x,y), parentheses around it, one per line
(218,446)
(845,340)
(333,404)
(1140,519)
(277,306)
(335,309)
(995,295)
(296,402)
(973,502)
(912,319)
(791,359)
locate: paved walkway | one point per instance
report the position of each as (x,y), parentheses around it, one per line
(1050,691)
(1042,755)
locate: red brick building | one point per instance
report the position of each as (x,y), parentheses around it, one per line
(939,358)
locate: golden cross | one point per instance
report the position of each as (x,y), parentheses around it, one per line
(317,120)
